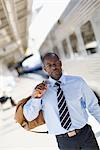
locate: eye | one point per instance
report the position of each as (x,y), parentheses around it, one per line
(48,66)
(58,63)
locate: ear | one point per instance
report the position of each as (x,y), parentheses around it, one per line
(60,63)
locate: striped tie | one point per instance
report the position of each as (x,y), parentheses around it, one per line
(63,108)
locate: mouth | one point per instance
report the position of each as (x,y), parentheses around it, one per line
(56,73)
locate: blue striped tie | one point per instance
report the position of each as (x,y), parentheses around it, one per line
(63,108)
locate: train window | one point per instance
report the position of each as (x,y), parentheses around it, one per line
(74,42)
(65,46)
(89,37)
(56,50)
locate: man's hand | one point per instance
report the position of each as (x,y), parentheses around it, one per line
(39,90)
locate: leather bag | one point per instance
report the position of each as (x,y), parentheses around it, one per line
(19,117)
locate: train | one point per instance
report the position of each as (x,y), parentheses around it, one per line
(75,37)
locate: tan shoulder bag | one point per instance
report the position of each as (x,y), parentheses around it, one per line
(19,117)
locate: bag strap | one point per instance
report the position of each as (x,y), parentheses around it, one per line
(46,132)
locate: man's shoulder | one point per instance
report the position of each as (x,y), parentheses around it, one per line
(73,78)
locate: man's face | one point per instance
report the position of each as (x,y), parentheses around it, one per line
(53,66)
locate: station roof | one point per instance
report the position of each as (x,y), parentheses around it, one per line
(17,15)
(14,15)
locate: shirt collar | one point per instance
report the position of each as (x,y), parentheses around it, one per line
(62,79)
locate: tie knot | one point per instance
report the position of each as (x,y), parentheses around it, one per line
(58,83)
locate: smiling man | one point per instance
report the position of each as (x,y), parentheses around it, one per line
(64,105)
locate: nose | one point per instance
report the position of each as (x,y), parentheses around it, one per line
(53,66)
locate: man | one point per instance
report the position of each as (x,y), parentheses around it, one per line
(64,105)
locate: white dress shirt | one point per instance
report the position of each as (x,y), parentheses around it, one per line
(79,98)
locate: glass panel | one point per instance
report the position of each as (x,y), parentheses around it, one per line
(74,42)
(89,37)
(65,46)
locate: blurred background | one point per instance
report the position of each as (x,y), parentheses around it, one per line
(28,30)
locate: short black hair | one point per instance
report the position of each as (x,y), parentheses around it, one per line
(50,54)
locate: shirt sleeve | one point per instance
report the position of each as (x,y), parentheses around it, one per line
(91,101)
(31,109)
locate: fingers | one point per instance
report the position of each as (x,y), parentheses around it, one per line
(39,90)
(37,94)
(41,86)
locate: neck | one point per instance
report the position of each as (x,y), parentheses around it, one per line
(57,78)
